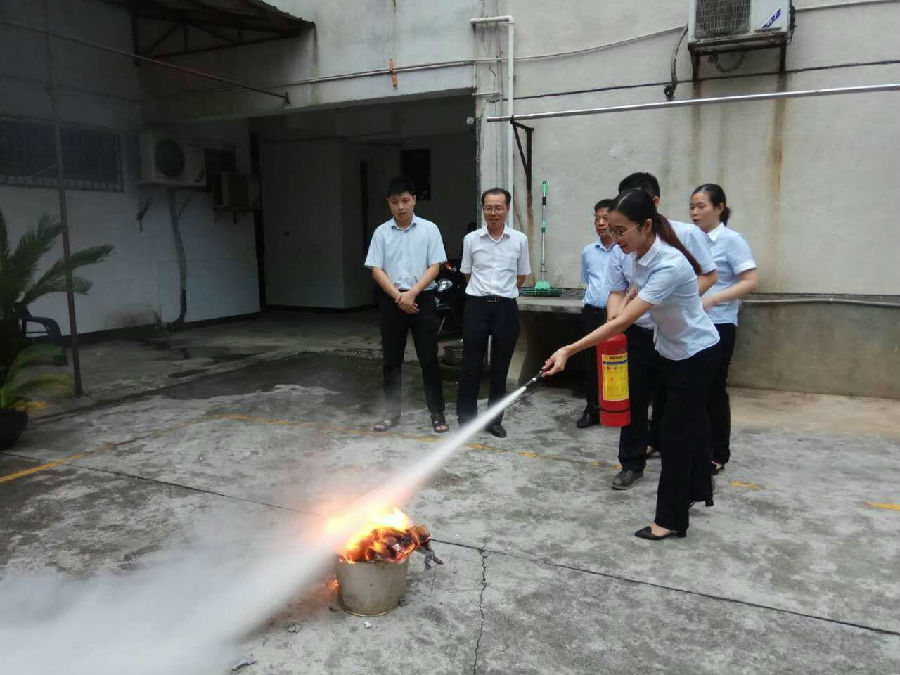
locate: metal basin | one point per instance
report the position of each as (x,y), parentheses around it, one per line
(370,588)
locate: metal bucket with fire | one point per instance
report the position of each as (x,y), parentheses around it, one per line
(371,570)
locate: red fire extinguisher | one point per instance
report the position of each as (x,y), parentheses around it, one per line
(612,379)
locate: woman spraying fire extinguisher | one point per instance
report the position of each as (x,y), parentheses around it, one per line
(666,278)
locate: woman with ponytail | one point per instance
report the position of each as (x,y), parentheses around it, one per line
(665,274)
(737,278)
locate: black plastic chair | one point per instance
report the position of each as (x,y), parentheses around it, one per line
(49,329)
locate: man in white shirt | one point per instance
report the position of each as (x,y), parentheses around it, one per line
(495,262)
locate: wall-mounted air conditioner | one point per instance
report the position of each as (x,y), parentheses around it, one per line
(731,23)
(168,160)
(236,192)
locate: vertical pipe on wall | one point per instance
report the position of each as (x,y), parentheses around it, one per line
(510,78)
(63,212)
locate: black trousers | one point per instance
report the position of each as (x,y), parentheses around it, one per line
(590,319)
(395,324)
(645,370)
(719,405)
(483,317)
(686,458)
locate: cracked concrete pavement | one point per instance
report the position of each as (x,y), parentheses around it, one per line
(793,570)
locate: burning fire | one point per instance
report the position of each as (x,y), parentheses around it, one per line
(389,536)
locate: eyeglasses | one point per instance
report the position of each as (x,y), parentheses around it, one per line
(493,209)
(618,234)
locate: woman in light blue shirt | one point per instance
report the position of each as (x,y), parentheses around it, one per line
(665,274)
(737,278)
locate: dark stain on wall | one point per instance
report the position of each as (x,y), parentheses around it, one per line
(774,167)
(696,149)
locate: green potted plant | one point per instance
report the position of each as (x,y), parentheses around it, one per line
(17,388)
(18,285)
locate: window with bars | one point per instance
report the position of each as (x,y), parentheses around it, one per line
(92,158)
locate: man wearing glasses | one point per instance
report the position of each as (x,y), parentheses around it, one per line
(495,263)
(594,263)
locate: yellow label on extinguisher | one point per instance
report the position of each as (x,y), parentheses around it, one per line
(615,377)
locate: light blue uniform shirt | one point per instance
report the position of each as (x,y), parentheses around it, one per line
(733,257)
(595,259)
(667,281)
(620,276)
(404,255)
(621,268)
(695,241)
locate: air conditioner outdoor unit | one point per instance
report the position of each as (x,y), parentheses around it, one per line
(731,23)
(167,160)
(236,192)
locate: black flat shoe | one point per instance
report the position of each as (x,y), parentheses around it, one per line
(496,429)
(647,533)
(587,420)
(717,469)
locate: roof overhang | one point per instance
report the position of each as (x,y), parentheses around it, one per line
(167,28)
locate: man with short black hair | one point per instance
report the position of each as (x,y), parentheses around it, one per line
(405,255)
(495,262)
(594,266)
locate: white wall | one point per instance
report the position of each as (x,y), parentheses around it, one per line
(809,180)
(140,281)
(348,37)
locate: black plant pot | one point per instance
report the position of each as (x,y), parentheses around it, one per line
(12,424)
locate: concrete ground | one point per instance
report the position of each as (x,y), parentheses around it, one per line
(796,569)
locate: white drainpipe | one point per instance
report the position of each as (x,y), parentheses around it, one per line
(510,70)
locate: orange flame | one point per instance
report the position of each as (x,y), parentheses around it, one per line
(389,535)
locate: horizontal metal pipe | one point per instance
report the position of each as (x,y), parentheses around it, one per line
(146,59)
(506,18)
(738,98)
(843,5)
(828,300)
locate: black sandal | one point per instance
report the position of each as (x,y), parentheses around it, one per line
(386,424)
(439,423)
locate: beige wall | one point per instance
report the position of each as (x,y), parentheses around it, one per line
(810,180)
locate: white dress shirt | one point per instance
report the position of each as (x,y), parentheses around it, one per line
(495,263)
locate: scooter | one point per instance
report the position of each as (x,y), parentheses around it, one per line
(450,298)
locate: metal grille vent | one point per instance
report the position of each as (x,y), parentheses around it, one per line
(721,18)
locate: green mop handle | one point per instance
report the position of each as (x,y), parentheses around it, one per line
(544,206)
(543,226)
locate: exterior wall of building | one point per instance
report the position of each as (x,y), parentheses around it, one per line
(139,284)
(349,37)
(810,180)
(793,170)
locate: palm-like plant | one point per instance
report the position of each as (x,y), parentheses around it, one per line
(17,276)
(15,390)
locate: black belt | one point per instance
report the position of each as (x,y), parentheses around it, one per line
(491,298)
(594,308)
